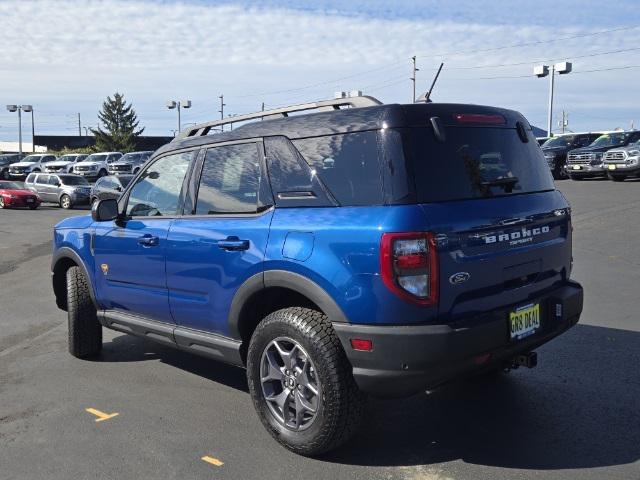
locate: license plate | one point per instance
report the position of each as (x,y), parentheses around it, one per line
(29,200)
(524,321)
(612,167)
(577,167)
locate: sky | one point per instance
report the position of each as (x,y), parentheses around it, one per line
(65,57)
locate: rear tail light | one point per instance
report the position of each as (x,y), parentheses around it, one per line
(409,266)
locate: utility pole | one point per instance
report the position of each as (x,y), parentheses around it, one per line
(222,104)
(79,126)
(262,110)
(413,77)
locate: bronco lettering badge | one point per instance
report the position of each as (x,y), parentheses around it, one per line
(520,236)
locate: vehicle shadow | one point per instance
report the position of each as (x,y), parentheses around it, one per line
(127,348)
(578,409)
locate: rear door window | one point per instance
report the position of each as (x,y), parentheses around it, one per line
(474,162)
(230,180)
(347,164)
(42,179)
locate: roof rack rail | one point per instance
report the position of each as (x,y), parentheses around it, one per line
(333,104)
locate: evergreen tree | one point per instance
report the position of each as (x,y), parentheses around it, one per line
(120,126)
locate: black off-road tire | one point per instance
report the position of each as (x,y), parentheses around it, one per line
(342,403)
(617,178)
(85,332)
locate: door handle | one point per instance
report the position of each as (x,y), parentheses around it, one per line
(148,241)
(233,244)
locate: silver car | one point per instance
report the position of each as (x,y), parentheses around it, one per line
(64,189)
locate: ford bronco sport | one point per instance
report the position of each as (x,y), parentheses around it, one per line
(362,249)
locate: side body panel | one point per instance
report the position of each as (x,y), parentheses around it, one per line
(202,275)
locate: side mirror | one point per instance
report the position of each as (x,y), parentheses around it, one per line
(104,210)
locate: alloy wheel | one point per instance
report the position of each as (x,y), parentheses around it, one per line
(290,384)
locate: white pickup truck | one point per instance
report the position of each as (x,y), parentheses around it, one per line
(96,165)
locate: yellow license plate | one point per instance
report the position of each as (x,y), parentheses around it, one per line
(612,167)
(577,167)
(524,321)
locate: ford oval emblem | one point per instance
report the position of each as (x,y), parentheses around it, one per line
(458,278)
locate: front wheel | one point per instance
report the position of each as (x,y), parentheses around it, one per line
(301,383)
(5,175)
(102,173)
(85,332)
(2,204)
(617,178)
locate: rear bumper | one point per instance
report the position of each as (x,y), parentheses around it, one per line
(409,359)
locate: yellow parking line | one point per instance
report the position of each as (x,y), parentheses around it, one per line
(101,415)
(212,461)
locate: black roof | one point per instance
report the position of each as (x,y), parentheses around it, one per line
(347,120)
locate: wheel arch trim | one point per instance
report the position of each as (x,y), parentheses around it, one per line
(66,253)
(284,279)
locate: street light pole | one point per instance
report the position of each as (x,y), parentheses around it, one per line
(171,104)
(19,108)
(540,71)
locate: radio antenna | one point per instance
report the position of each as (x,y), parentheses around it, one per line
(426,98)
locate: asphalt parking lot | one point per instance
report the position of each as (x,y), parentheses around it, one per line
(576,415)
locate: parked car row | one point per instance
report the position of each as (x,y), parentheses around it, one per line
(92,167)
(65,180)
(615,155)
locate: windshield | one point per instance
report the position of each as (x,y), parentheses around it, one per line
(96,157)
(74,181)
(131,157)
(557,142)
(32,159)
(12,185)
(67,158)
(609,140)
(474,162)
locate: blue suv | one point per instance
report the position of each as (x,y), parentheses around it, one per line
(361,249)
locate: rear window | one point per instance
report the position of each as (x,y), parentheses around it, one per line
(474,162)
(347,164)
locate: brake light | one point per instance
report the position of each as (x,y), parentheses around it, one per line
(409,266)
(480,118)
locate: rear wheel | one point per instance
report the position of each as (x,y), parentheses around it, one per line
(33,207)
(65,202)
(85,332)
(301,383)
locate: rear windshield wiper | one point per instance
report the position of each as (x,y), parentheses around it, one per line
(506,182)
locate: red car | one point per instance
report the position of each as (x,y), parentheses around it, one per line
(14,194)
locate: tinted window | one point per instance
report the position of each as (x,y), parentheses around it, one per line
(292,180)
(158,190)
(347,164)
(474,162)
(124,181)
(230,180)
(74,180)
(53,180)
(31,178)
(43,179)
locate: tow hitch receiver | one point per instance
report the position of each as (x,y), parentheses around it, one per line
(528,360)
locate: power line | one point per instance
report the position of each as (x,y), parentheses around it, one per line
(611,52)
(530,76)
(454,53)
